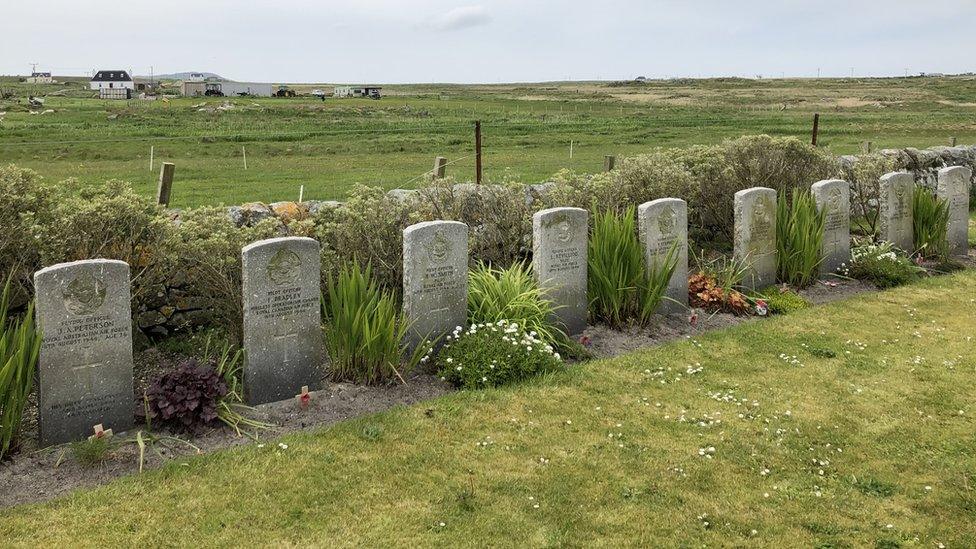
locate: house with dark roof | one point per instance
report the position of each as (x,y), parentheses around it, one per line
(112,80)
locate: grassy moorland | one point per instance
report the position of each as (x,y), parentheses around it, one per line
(528,129)
(824,428)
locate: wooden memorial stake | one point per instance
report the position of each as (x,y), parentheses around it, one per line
(100,432)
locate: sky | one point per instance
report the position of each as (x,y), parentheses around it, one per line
(488,41)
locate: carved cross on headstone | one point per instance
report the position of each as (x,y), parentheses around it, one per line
(85,374)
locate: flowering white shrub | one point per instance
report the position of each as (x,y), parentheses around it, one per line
(880,264)
(493,354)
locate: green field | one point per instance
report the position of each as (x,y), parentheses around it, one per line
(528,130)
(862,436)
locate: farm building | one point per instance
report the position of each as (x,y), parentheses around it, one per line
(112,80)
(223,88)
(373,92)
(40,78)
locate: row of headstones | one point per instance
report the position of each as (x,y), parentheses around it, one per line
(83,310)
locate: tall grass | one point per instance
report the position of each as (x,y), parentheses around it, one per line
(930,224)
(511,294)
(365,332)
(799,239)
(620,288)
(20,344)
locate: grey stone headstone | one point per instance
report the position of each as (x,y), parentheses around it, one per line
(663,223)
(85,367)
(559,247)
(755,235)
(435,278)
(834,198)
(953,187)
(895,204)
(283,338)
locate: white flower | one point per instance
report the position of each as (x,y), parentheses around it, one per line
(449,360)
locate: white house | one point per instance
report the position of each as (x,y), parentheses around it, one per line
(112,80)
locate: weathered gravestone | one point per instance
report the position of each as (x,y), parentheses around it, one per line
(559,245)
(663,224)
(755,235)
(895,205)
(953,187)
(283,339)
(85,367)
(833,197)
(435,278)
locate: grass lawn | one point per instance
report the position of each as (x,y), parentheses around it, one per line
(847,425)
(528,130)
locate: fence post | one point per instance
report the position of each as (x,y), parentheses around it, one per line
(816,128)
(952,142)
(609,162)
(165,187)
(440,167)
(477,151)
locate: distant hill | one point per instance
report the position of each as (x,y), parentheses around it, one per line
(184,75)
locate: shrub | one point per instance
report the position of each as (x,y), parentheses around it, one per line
(186,399)
(368,229)
(930,224)
(365,331)
(720,171)
(20,344)
(489,355)
(881,265)
(511,294)
(864,177)
(205,249)
(781,300)
(799,239)
(26,197)
(636,180)
(497,215)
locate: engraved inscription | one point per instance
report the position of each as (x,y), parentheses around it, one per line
(562,260)
(439,278)
(282,302)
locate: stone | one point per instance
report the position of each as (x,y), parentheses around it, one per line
(559,248)
(255,212)
(755,235)
(538,192)
(833,197)
(317,206)
(895,205)
(953,187)
(283,340)
(663,223)
(289,211)
(150,318)
(435,278)
(403,196)
(85,368)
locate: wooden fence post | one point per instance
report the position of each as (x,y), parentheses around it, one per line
(477,151)
(440,167)
(816,128)
(165,188)
(609,162)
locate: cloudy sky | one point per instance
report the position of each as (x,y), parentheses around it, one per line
(392,41)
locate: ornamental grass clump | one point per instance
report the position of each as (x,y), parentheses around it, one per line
(620,287)
(20,344)
(365,331)
(799,239)
(494,354)
(930,224)
(511,294)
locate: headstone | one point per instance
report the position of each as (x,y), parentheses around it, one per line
(559,247)
(435,278)
(663,223)
(85,367)
(833,197)
(895,204)
(755,235)
(283,342)
(165,188)
(953,187)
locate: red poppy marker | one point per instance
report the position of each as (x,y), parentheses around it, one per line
(304,397)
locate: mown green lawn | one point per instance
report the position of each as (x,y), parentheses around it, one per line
(874,446)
